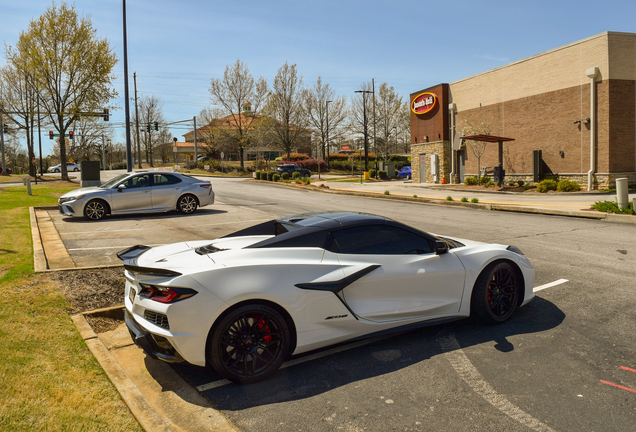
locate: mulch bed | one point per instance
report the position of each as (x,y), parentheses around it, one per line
(92,289)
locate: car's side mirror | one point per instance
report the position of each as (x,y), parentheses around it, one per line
(440,247)
(121,187)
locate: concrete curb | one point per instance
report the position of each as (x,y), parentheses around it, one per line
(55,252)
(169,405)
(39,258)
(440,201)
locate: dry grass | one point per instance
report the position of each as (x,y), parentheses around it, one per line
(49,380)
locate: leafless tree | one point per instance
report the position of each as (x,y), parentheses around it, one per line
(389,112)
(240,98)
(150,111)
(325,112)
(476,147)
(285,106)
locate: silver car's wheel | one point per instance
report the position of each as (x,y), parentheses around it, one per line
(95,210)
(56,170)
(76,169)
(187,204)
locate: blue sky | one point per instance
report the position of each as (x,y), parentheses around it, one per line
(176,47)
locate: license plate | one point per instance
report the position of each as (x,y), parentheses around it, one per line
(131,295)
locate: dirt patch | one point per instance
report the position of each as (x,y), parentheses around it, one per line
(103,324)
(91,289)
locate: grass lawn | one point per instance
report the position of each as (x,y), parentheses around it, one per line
(49,380)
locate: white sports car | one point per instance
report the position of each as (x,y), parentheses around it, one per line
(244,302)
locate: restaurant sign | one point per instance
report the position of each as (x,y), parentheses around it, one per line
(424,102)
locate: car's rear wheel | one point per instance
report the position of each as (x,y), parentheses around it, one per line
(187,204)
(75,169)
(496,293)
(95,210)
(249,344)
(306,175)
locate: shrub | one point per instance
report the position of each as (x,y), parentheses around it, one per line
(449,198)
(285,176)
(399,158)
(296,176)
(310,164)
(471,181)
(387,193)
(270,175)
(464,199)
(512,183)
(474,200)
(257,175)
(484,180)
(566,185)
(382,174)
(119,165)
(546,185)
(276,177)
(372,173)
(414,196)
(293,157)
(490,183)
(612,207)
(306,180)
(526,187)
(520,183)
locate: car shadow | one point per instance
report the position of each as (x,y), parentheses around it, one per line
(393,353)
(146,216)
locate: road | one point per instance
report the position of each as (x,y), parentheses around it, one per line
(565,362)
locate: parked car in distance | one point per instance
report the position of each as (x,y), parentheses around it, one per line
(245,302)
(204,159)
(138,192)
(291,169)
(70,166)
(404,172)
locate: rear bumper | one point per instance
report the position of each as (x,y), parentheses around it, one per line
(155,346)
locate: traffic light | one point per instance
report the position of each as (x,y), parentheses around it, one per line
(70,134)
(148,128)
(50,135)
(156,126)
(5,128)
(106,115)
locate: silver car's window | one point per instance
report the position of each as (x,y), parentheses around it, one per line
(139,181)
(114,181)
(165,179)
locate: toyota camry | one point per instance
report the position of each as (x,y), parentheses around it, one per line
(244,302)
(138,192)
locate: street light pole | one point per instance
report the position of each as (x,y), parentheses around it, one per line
(323,150)
(366,136)
(129,163)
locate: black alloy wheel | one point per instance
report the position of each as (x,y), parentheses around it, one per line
(496,293)
(249,344)
(95,210)
(187,204)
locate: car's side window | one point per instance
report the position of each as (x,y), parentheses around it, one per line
(172,179)
(379,240)
(137,181)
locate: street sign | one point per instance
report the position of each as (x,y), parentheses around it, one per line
(34,162)
(207,167)
(71,160)
(222,155)
(58,135)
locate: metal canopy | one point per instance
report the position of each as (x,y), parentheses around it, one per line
(490,139)
(487,138)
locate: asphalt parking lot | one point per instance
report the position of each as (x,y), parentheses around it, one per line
(564,362)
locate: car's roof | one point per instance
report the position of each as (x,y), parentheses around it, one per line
(331,219)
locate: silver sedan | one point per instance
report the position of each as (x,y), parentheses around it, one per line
(138,192)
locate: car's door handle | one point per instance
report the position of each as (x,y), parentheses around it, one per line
(147,190)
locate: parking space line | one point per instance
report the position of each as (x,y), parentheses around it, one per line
(627,369)
(548,285)
(221,383)
(619,386)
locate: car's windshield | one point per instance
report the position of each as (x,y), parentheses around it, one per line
(113,181)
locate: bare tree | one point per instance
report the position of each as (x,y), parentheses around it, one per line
(476,147)
(325,112)
(71,66)
(150,111)
(240,97)
(389,109)
(285,105)
(89,135)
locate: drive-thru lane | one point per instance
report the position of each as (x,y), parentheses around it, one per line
(564,362)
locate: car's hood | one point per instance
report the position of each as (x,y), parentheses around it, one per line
(82,191)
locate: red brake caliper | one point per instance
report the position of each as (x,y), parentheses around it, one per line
(260,326)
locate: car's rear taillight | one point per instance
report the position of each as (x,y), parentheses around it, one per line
(206,185)
(164,294)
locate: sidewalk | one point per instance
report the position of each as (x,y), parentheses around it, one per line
(577,204)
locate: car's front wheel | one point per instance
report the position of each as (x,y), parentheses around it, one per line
(496,293)
(187,204)
(95,210)
(249,344)
(56,170)
(75,169)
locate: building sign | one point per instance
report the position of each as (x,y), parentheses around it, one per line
(424,102)
(345,148)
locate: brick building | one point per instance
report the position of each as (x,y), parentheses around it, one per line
(575,104)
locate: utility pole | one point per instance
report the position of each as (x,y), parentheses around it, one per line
(4,166)
(39,135)
(137,121)
(194,119)
(375,147)
(129,166)
(103,153)
(327,104)
(366,135)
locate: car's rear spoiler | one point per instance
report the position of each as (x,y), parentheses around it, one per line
(129,257)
